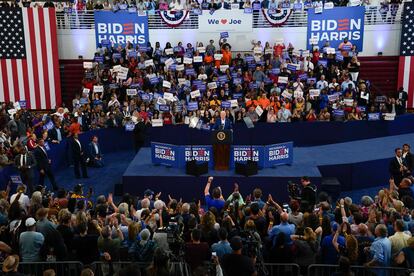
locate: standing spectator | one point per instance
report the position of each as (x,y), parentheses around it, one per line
(236,263)
(328,252)
(307,247)
(79,157)
(284,227)
(406,255)
(397,167)
(57,133)
(85,245)
(196,252)
(94,153)
(26,163)
(345,48)
(223,246)
(108,244)
(380,249)
(54,246)
(216,200)
(308,195)
(400,239)
(31,242)
(43,165)
(24,200)
(11,265)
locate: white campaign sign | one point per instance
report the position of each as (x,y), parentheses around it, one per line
(235,21)
(98,88)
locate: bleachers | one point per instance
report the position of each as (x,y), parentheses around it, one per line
(382,71)
(71,74)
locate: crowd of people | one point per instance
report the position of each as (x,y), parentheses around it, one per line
(214,235)
(176,84)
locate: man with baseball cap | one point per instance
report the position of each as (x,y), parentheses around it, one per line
(236,263)
(31,242)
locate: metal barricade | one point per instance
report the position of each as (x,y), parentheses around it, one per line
(103,268)
(61,268)
(282,269)
(328,270)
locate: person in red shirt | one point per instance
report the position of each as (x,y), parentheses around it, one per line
(278,49)
(75,127)
(167,118)
(31,142)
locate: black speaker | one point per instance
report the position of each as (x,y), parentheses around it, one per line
(196,169)
(250,168)
(332,187)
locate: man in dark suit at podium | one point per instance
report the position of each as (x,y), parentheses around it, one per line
(222,123)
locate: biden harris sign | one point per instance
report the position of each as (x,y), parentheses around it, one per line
(334,25)
(120,27)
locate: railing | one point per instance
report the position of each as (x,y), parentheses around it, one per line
(298,18)
(182,269)
(61,268)
(327,270)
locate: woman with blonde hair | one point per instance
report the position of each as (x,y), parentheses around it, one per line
(208,228)
(306,248)
(350,250)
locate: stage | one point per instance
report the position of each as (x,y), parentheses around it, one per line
(359,164)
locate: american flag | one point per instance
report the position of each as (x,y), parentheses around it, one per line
(406,64)
(29,64)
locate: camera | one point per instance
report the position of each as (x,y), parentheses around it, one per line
(293,190)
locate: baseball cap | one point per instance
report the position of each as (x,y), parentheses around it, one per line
(148,192)
(30,222)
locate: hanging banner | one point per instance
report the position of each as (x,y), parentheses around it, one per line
(334,25)
(197,153)
(242,154)
(220,21)
(165,154)
(120,27)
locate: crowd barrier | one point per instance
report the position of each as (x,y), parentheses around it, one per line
(301,133)
(328,270)
(182,269)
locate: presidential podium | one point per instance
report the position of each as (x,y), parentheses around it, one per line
(221,141)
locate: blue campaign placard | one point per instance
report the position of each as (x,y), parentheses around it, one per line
(192,106)
(242,154)
(323,62)
(129,127)
(120,27)
(249,58)
(334,25)
(225,104)
(197,153)
(164,108)
(291,67)
(224,34)
(223,79)
(23,103)
(16,179)
(99,59)
(278,154)
(374,116)
(154,80)
(275,71)
(190,72)
(165,154)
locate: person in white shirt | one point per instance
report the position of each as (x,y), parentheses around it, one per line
(23,199)
(322,83)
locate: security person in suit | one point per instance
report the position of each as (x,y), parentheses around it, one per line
(398,167)
(43,164)
(408,158)
(26,163)
(94,153)
(79,157)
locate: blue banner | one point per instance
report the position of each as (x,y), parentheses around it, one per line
(197,153)
(121,27)
(165,154)
(334,25)
(278,154)
(242,154)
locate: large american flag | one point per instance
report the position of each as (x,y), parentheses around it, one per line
(406,64)
(29,64)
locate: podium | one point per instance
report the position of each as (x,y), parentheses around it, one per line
(221,140)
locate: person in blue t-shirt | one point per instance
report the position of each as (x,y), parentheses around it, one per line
(329,254)
(216,200)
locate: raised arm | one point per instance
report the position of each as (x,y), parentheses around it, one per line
(208,184)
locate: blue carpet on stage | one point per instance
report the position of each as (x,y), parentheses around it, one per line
(103,179)
(358,165)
